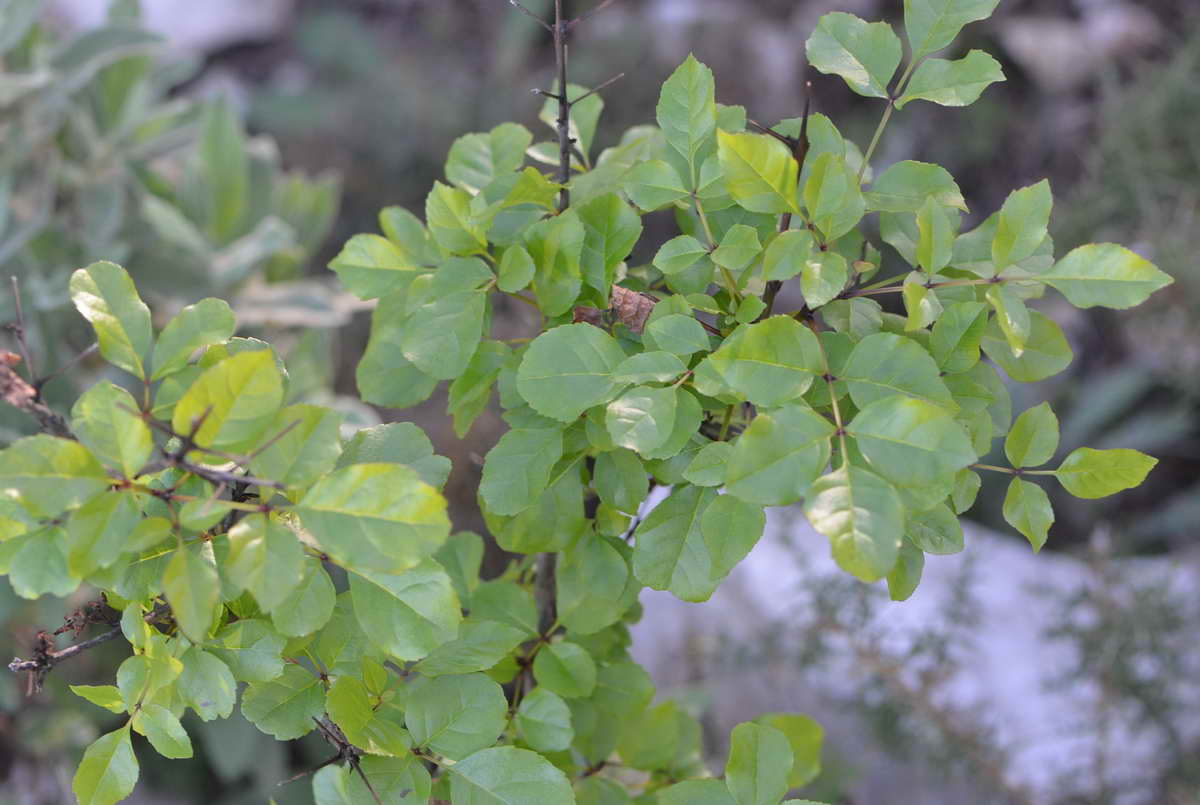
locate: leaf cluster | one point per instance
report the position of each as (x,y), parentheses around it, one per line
(318,568)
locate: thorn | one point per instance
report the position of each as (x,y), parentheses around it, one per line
(531,15)
(591,92)
(589,14)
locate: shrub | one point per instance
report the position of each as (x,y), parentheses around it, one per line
(238,540)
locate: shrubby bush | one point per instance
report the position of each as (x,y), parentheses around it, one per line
(239,540)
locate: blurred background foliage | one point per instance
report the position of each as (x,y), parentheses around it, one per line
(234,159)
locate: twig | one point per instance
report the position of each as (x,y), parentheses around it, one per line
(590,14)
(45,657)
(18,330)
(20,394)
(545,591)
(564,107)
(531,15)
(592,92)
(799,147)
(41,382)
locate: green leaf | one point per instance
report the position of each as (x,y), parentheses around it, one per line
(285,706)
(48,475)
(568,370)
(308,606)
(677,334)
(1011,315)
(905,187)
(375,730)
(822,278)
(770,362)
(98,532)
(384,375)
(932,24)
(611,228)
(1046,350)
(397,443)
(456,715)
(1033,439)
(903,579)
(307,449)
(592,578)
(517,470)
(937,230)
(193,590)
(759,171)
(375,516)
(442,335)
(760,758)
(108,771)
(162,728)
(482,642)
(1105,275)
(885,364)
(516,269)
(448,213)
(650,740)
(696,792)
(687,115)
(710,465)
(1027,509)
(805,737)
(920,302)
(864,54)
(911,442)
(730,528)
(863,518)
(505,775)
(738,248)
(233,402)
(409,614)
(779,455)
(833,196)
(597,790)
(251,649)
(954,341)
(106,696)
(654,184)
(670,552)
(966,488)
(39,565)
(1088,473)
(787,254)
(937,530)
(1023,224)
(105,419)
(370,266)
(679,254)
(621,480)
(476,160)
(461,556)
(207,685)
(556,246)
(226,170)
(646,367)
(544,721)
(209,321)
(471,391)
(104,294)
(952,83)
(566,669)
(642,418)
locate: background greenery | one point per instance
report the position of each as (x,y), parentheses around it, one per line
(106,157)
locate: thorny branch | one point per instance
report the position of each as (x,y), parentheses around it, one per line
(45,656)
